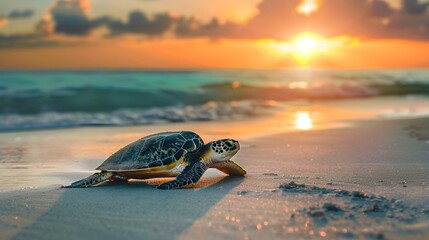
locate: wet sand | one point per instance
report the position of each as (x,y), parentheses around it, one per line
(365,179)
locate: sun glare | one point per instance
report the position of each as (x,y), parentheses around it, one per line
(307,7)
(303,121)
(304,46)
(307,45)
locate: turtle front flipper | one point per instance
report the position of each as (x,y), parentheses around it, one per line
(189,176)
(229,167)
(91,181)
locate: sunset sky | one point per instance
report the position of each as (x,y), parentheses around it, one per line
(191,34)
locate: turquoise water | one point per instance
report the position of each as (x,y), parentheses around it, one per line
(35,99)
(14,81)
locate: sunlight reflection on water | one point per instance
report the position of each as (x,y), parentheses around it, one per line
(303,120)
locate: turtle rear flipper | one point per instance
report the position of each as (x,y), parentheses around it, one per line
(92,181)
(229,167)
(189,176)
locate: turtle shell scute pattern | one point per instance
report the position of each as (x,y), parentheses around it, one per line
(154,150)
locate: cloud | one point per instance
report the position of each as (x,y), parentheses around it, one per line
(138,22)
(275,19)
(379,9)
(25,41)
(76,24)
(414,7)
(3,22)
(190,27)
(16,14)
(278,19)
(161,23)
(66,17)
(45,26)
(70,17)
(72,6)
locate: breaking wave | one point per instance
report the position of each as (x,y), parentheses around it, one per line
(46,99)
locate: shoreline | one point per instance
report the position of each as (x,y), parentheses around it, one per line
(378,107)
(385,160)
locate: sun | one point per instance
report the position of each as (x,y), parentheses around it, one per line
(303,47)
(303,120)
(306,46)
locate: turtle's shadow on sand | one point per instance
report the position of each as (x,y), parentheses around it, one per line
(127,211)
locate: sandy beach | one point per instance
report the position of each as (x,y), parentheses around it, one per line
(324,104)
(365,179)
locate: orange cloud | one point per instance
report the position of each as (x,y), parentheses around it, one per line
(3,22)
(307,7)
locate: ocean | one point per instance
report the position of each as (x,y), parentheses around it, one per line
(34,99)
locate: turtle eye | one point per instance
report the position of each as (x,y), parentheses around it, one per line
(228,144)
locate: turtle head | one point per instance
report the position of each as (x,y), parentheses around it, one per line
(222,150)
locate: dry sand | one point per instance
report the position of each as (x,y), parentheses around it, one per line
(369,180)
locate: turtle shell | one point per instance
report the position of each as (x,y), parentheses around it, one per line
(152,151)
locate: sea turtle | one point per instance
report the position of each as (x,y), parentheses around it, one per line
(167,154)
